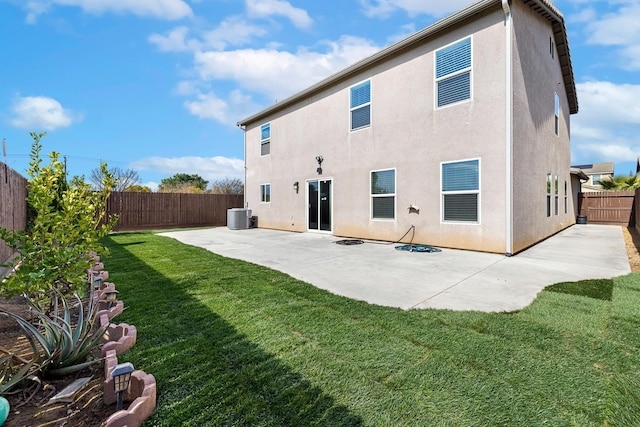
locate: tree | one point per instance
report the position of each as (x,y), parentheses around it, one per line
(620,183)
(123,178)
(183,183)
(137,189)
(69,219)
(228,186)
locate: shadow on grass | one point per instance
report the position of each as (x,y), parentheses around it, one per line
(207,372)
(594,288)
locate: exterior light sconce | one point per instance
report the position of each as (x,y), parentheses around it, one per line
(319,159)
(296,186)
(121,375)
(110,297)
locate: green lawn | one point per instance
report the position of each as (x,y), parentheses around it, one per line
(233,343)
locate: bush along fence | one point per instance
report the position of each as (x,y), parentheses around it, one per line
(117,339)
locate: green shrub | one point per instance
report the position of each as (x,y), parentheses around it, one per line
(68,220)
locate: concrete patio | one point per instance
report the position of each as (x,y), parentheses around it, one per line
(377,273)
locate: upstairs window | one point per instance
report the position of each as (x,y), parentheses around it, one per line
(383,194)
(552,48)
(360,105)
(461,191)
(556,111)
(453,73)
(265,139)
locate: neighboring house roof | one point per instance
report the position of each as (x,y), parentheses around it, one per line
(544,7)
(596,168)
(578,172)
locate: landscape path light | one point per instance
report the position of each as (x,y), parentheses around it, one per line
(121,375)
(110,297)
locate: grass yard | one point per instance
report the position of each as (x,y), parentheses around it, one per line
(233,343)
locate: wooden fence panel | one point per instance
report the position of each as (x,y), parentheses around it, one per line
(609,207)
(13,204)
(636,207)
(145,211)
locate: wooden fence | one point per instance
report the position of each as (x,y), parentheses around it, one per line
(145,211)
(609,207)
(637,209)
(13,205)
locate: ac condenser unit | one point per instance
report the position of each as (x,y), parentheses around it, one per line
(238,218)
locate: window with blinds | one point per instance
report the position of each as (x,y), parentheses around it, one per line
(453,73)
(460,191)
(383,194)
(360,105)
(265,139)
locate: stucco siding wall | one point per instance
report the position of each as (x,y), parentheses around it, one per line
(407,134)
(537,149)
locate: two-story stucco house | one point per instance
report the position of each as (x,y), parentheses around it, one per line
(461,130)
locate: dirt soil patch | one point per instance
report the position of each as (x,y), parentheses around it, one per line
(28,406)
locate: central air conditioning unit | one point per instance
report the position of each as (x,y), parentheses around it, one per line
(238,218)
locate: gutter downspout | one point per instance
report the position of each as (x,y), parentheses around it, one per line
(509,129)
(244,142)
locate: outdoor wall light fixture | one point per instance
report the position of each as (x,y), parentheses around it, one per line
(121,375)
(319,159)
(110,297)
(296,186)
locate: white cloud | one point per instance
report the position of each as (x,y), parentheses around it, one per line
(40,112)
(174,41)
(384,8)
(210,168)
(278,74)
(608,122)
(233,31)
(619,28)
(266,8)
(209,106)
(161,9)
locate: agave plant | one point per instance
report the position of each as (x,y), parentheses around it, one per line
(61,346)
(13,370)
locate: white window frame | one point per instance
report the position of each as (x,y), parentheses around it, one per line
(556,113)
(372,196)
(265,192)
(265,141)
(352,109)
(557,200)
(566,208)
(454,74)
(549,184)
(478,192)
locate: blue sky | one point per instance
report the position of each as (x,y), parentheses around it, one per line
(158,85)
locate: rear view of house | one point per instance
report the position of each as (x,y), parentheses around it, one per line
(459,133)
